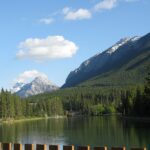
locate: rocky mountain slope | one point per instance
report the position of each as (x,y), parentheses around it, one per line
(127,59)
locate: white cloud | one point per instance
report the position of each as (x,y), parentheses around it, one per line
(105,5)
(84,13)
(52,47)
(26,76)
(79,14)
(46,21)
(66,10)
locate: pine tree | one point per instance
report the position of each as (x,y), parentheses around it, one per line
(146,96)
(147,88)
(4,104)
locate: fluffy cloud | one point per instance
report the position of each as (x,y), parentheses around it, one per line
(29,75)
(46,21)
(52,47)
(84,13)
(105,5)
(79,14)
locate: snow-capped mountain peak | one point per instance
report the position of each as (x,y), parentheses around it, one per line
(39,85)
(109,51)
(121,43)
(42,80)
(117,45)
(135,38)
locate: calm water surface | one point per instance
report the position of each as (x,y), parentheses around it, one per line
(94,131)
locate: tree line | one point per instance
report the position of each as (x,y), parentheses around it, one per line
(129,101)
(136,102)
(13,107)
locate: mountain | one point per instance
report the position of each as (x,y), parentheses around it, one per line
(37,86)
(126,62)
(17,87)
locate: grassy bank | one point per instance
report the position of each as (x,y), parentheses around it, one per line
(10,120)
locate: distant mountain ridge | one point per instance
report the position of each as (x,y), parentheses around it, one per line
(111,60)
(37,86)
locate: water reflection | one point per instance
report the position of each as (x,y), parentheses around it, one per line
(95,131)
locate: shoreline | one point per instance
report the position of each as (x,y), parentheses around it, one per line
(10,121)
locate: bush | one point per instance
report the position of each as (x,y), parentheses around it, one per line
(110,109)
(97,110)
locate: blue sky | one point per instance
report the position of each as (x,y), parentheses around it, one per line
(53,37)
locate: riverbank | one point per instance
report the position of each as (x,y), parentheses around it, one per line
(10,121)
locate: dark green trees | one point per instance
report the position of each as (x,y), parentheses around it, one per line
(131,101)
(147,95)
(137,102)
(13,107)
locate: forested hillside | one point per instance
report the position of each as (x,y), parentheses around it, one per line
(133,101)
